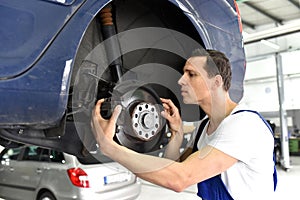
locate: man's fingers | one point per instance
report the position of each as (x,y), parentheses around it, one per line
(97,108)
(116,114)
(166,106)
(170,104)
(166,115)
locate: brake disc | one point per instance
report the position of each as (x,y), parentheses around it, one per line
(140,126)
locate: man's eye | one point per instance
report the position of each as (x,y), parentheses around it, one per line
(192,74)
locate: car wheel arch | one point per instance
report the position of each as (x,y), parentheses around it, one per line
(46,193)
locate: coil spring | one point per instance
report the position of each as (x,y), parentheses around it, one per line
(106,16)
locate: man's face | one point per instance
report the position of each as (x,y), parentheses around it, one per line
(195,84)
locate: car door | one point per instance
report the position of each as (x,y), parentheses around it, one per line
(9,176)
(31,168)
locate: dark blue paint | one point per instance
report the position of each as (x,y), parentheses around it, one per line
(37,38)
(27,28)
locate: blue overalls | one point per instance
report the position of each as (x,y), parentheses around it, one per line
(214,188)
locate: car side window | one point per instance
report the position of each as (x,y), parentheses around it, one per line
(34,153)
(11,154)
(31,153)
(44,155)
(57,157)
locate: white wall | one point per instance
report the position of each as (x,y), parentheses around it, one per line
(261,87)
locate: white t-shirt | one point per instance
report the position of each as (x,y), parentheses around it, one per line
(245,137)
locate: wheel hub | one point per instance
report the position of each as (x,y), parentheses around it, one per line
(140,126)
(145,121)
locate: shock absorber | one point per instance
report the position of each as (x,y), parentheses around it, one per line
(112,46)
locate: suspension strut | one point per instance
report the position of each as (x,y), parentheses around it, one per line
(140,127)
(112,46)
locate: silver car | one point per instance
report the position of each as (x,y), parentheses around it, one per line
(35,173)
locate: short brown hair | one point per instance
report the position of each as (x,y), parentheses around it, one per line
(217,64)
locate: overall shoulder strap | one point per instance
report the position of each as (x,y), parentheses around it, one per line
(200,129)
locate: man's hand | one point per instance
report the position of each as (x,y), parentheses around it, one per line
(104,130)
(171,114)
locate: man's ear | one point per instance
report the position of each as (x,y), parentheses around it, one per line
(218,80)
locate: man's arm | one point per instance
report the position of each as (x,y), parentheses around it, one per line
(176,176)
(173,148)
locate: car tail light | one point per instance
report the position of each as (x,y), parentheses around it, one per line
(78,177)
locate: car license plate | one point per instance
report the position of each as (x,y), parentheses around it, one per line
(116,178)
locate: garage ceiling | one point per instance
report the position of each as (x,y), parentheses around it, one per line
(267,22)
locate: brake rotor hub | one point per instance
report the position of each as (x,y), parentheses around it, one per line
(139,126)
(145,121)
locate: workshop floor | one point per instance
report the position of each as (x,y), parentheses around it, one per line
(288,186)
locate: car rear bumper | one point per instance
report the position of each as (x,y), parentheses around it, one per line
(129,192)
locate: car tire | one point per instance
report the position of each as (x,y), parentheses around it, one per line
(47,196)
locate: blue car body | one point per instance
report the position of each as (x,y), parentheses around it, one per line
(40,40)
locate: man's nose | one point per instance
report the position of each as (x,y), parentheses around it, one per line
(181,81)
